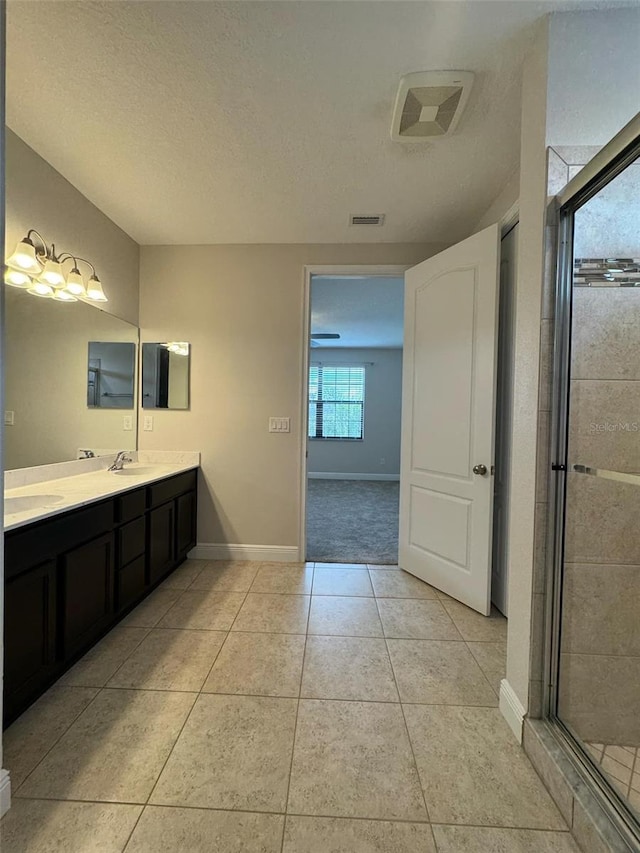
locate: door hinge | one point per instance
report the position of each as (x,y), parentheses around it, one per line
(558,466)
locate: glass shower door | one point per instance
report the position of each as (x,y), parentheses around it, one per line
(598,648)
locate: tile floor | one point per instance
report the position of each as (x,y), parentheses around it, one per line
(272,708)
(621,766)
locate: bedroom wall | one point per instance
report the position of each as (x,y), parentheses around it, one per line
(377,455)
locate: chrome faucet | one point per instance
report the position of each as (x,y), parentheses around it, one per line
(118,462)
(87,454)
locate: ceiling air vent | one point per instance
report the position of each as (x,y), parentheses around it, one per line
(375,219)
(429,103)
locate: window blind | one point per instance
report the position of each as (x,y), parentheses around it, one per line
(336,401)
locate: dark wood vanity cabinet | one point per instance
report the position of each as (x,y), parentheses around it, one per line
(86,594)
(162,541)
(70,578)
(29,635)
(172,519)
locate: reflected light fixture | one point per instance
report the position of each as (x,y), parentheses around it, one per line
(178,347)
(35,267)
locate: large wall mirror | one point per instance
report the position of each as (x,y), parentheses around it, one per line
(50,409)
(165,375)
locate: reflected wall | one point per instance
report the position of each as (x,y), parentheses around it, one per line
(46,375)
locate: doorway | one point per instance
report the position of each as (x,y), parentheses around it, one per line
(353,402)
(464,353)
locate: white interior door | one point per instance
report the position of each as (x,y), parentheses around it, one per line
(448,394)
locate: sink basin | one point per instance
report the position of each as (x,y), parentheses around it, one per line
(135,471)
(27,502)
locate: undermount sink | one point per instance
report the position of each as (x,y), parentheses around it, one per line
(135,471)
(27,502)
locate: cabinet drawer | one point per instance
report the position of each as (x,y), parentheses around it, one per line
(131,583)
(44,540)
(165,490)
(130,505)
(131,540)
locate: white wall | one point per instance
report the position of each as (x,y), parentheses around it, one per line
(39,197)
(532,204)
(46,359)
(241,307)
(501,205)
(382,411)
(594,75)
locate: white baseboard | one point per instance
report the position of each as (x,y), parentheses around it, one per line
(324,475)
(257,553)
(5,792)
(512,709)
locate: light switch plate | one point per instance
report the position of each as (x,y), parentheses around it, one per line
(9,418)
(279,424)
(127,422)
(147,423)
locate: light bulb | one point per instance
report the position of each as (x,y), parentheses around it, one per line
(61,295)
(52,274)
(94,290)
(40,288)
(75,283)
(24,258)
(16,278)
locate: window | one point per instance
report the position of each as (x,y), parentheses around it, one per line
(336,401)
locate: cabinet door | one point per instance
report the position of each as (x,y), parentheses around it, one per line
(186,523)
(162,541)
(30,627)
(88,583)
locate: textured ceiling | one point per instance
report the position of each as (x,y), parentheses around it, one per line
(365,312)
(258,122)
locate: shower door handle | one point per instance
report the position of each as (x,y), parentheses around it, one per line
(480,469)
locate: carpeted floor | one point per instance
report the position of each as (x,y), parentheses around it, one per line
(352,521)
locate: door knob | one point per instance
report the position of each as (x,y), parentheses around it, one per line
(480,469)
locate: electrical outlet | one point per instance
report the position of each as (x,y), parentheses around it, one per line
(147,423)
(9,418)
(127,422)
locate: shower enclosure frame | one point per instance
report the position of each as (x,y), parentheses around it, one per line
(623,150)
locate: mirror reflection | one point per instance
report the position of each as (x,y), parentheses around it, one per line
(165,375)
(110,375)
(46,407)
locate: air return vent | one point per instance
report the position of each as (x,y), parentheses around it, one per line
(371,219)
(429,104)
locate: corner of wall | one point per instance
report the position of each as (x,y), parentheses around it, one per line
(512,709)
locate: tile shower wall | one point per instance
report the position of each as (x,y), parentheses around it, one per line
(600,651)
(619,336)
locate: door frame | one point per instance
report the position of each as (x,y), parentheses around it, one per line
(343,270)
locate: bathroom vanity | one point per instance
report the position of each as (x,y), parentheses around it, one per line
(80,552)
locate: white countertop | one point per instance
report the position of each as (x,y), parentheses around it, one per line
(55,496)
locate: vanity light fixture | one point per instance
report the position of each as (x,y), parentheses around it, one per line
(35,267)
